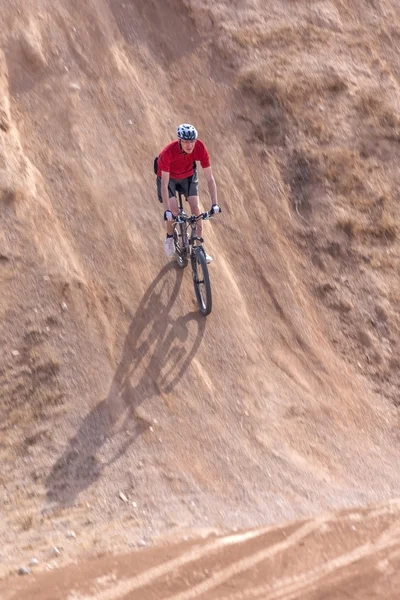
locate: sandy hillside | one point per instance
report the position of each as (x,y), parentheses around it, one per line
(127,419)
(354,554)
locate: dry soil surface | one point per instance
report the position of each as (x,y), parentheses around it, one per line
(127,420)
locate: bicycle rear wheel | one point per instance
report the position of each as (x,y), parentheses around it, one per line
(201,281)
(181,252)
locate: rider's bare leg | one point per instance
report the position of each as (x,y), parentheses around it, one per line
(173,207)
(194,207)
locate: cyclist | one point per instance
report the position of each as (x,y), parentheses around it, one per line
(177,164)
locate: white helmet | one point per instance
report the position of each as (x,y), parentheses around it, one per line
(186,132)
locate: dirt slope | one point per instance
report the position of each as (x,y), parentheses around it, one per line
(354,554)
(282,403)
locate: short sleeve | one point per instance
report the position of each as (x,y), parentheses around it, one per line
(205,158)
(163,162)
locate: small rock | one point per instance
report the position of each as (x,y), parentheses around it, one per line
(71,535)
(142,543)
(31,46)
(134,504)
(24,571)
(56,551)
(64,306)
(75,86)
(130,122)
(46,278)
(123,497)
(33,562)
(342,305)
(364,338)
(15,352)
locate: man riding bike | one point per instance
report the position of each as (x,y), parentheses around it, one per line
(177,164)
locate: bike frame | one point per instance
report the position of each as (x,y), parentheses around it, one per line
(192,242)
(191,247)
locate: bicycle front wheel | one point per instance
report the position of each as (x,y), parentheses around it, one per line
(201,281)
(181,251)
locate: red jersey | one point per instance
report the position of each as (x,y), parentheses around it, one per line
(177,163)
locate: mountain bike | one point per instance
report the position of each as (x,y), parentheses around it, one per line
(188,246)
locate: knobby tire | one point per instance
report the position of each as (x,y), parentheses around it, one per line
(201,281)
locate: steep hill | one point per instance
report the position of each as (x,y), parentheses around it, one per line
(282,403)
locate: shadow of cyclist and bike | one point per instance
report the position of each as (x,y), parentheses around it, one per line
(157,351)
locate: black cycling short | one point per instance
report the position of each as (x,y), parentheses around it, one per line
(190,186)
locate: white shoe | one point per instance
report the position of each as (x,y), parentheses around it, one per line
(169,246)
(208,258)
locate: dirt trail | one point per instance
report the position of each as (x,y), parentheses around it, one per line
(353,554)
(282,404)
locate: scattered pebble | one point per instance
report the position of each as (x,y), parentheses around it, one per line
(24,571)
(130,122)
(123,497)
(33,562)
(56,551)
(71,535)
(15,353)
(75,86)
(64,306)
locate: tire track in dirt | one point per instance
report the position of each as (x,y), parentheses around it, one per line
(148,577)
(295,587)
(247,563)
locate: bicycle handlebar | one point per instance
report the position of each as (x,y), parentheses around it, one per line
(193,218)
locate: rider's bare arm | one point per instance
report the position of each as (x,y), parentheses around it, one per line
(164,187)
(212,188)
